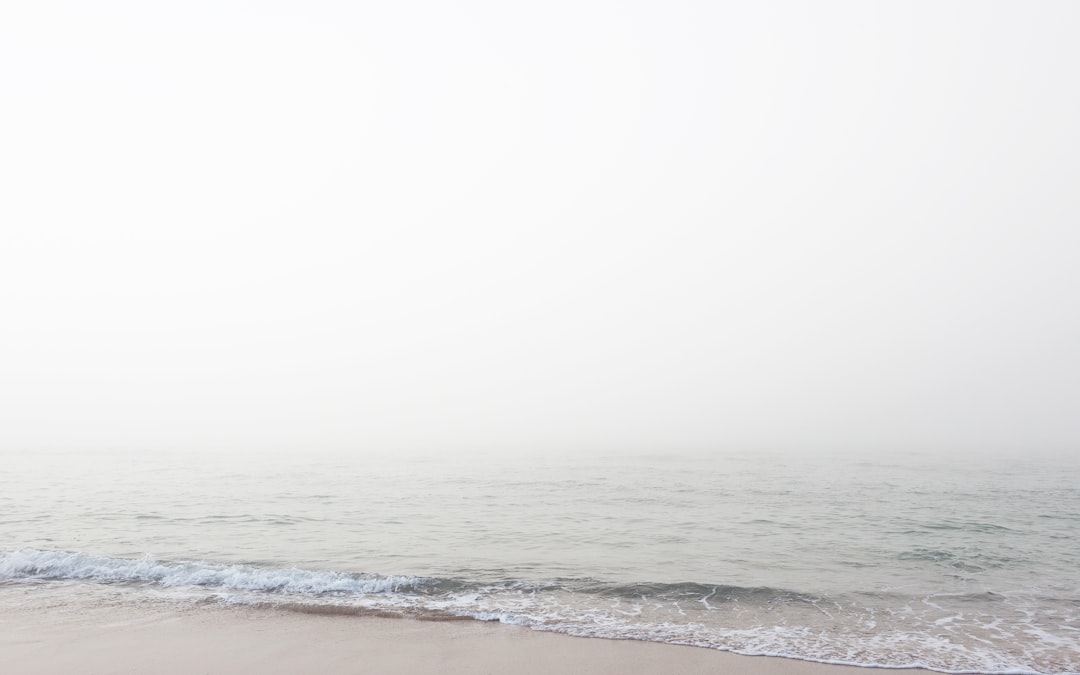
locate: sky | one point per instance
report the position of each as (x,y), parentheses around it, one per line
(590,224)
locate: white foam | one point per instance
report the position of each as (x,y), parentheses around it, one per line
(944,646)
(37,564)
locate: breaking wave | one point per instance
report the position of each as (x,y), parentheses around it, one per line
(959,632)
(57,565)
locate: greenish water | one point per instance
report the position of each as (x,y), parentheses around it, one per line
(951,564)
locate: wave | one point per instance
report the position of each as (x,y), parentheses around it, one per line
(62,565)
(35,564)
(963,560)
(968,631)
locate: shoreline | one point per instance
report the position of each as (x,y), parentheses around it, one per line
(47,631)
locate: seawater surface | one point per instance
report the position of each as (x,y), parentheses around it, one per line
(958,565)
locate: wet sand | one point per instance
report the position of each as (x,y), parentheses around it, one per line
(54,632)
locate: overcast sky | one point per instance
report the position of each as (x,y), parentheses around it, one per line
(570,224)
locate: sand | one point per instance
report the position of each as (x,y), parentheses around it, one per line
(56,631)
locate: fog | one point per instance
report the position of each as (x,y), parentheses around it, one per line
(574,225)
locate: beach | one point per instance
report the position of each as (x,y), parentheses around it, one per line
(713,563)
(52,631)
(551,337)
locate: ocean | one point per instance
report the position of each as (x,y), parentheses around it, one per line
(919,560)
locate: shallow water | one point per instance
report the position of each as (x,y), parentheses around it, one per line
(951,564)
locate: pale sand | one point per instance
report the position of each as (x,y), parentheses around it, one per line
(53,631)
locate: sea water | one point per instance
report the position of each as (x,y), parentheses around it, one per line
(956,564)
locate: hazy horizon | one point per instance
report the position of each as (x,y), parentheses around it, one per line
(591,225)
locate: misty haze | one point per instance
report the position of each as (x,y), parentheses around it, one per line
(741,326)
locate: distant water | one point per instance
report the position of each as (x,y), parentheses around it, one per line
(955,565)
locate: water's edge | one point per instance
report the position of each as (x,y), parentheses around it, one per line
(533,605)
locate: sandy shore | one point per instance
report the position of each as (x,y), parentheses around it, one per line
(50,630)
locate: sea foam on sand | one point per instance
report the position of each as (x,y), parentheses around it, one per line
(46,631)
